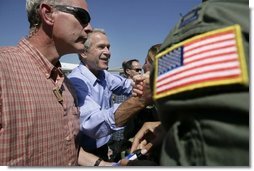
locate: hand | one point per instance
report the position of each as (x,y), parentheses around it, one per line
(147,93)
(123,162)
(104,163)
(137,85)
(126,161)
(150,134)
(141,88)
(88,159)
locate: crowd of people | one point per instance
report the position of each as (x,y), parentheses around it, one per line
(188,105)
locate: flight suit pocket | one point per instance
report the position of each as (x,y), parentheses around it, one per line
(188,140)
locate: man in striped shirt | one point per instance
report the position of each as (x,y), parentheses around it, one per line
(39,118)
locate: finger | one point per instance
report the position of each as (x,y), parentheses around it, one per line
(142,144)
(138,78)
(138,138)
(148,146)
(124,162)
(134,94)
(137,93)
(135,143)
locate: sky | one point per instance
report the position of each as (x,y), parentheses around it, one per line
(132,26)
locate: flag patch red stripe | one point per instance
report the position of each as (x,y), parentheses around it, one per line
(208,58)
(200,81)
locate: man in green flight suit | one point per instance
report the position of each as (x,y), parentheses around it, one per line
(201,86)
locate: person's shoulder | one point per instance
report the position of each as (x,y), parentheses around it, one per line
(108,75)
(9,54)
(116,77)
(79,71)
(5,50)
(74,72)
(10,50)
(78,76)
(13,52)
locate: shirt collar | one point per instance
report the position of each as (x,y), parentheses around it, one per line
(57,75)
(41,61)
(89,75)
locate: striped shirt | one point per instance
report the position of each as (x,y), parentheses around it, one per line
(39,118)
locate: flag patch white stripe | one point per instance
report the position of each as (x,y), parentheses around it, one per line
(207,58)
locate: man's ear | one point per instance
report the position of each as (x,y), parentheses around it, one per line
(128,71)
(83,55)
(46,12)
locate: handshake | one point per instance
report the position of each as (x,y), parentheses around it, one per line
(142,88)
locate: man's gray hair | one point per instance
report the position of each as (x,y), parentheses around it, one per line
(32,7)
(88,41)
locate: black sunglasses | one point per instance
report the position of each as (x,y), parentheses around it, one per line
(81,14)
(137,70)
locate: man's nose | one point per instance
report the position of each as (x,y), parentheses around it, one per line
(88,28)
(107,52)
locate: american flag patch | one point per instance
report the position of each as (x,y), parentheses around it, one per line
(214,58)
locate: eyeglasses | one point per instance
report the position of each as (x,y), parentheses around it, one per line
(137,70)
(81,14)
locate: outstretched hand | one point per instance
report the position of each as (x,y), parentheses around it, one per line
(150,134)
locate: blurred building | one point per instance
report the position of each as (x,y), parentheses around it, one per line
(68,67)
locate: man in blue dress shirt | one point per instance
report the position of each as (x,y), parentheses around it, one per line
(94,85)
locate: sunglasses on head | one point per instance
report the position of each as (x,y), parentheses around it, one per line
(81,14)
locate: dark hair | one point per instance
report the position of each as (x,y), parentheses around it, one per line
(153,50)
(128,64)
